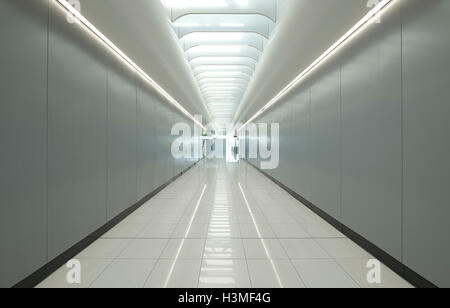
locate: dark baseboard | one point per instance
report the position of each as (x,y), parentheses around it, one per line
(408,274)
(41,274)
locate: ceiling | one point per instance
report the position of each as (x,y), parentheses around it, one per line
(223,59)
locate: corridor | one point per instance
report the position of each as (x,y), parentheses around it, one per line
(224,226)
(233,144)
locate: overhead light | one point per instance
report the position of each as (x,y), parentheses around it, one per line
(207,68)
(231,25)
(182,4)
(221,74)
(186,24)
(214,36)
(220,59)
(358,26)
(68,7)
(242,3)
(222,88)
(216,48)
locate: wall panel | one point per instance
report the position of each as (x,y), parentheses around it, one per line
(326,139)
(23,105)
(77,114)
(371,130)
(122,138)
(301,142)
(146,139)
(426,68)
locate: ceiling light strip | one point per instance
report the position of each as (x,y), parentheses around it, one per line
(358,26)
(65,5)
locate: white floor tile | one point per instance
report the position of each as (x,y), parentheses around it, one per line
(124,230)
(144,249)
(323,274)
(90,270)
(256,231)
(184,249)
(223,229)
(303,249)
(224,274)
(184,230)
(224,249)
(264,249)
(343,248)
(322,231)
(273,274)
(104,249)
(160,231)
(358,270)
(284,231)
(175,274)
(125,274)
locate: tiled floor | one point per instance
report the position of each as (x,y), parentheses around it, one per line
(224,225)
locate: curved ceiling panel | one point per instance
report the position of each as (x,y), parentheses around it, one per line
(220,38)
(223,41)
(223,51)
(249,62)
(223,88)
(238,79)
(222,68)
(180,8)
(223,23)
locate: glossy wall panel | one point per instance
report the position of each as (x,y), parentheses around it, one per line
(301,142)
(122,138)
(77,122)
(23,206)
(325,143)
(146,119)
(426,77)
(372,134)
(83,138)
(369,132)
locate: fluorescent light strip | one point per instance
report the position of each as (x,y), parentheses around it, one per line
(358,26)
(65,5)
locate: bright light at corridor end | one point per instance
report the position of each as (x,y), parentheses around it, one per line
(358,26)
(70,9)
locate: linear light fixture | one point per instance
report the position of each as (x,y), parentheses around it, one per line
(66,6)
(358,26)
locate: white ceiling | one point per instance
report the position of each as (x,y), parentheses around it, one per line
(224,40)
(277,39)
